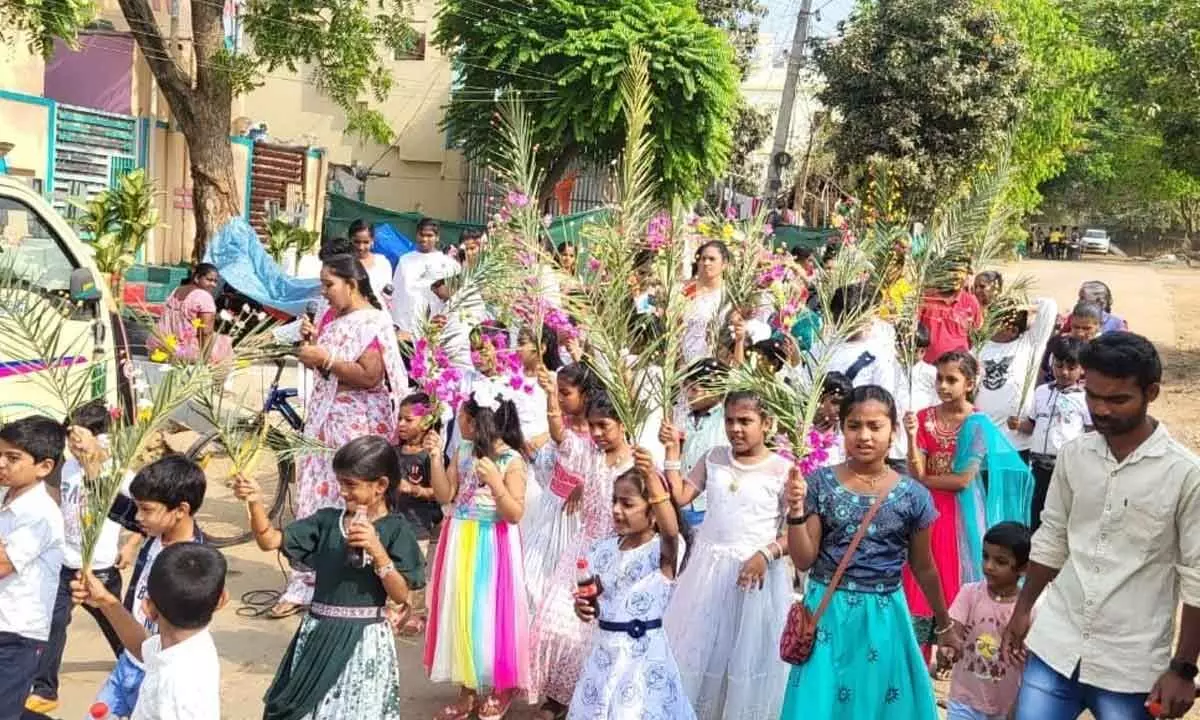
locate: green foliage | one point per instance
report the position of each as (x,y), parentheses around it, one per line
(41,21)
(1064,65)
(283,236)
(1156,47)
(118,220)
(751,129)
(566,58)
(929,84)
(346,45)
(739,20)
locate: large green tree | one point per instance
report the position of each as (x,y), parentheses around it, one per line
(566,57)
(1064,65)
(342,45)
(930,85)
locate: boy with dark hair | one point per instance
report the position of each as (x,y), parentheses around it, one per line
(88,427)
(1059,415)
(31,540)
(415,272)
(168,493)
(182,672)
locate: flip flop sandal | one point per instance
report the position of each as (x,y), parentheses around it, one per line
(284,610)
(457,711)
(494,708)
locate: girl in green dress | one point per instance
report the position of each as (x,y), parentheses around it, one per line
(342,662)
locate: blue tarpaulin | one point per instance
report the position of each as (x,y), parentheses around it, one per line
(391,244)
(244,263)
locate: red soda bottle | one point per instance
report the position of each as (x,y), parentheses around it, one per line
(99,711)
(587,584)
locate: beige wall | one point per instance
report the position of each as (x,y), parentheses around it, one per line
(25,126)
(20,70)
(424,174)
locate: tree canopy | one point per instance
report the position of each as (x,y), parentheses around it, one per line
(566,58)
(929,85)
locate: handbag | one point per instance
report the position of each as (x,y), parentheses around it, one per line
(800,632)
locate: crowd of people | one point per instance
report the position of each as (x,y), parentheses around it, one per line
(1006,512)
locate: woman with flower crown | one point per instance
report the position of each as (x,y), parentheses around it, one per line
(478,631)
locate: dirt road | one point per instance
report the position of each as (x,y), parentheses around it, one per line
(1159,303)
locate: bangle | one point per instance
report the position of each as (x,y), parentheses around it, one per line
(794,520)
(944,630)
(766,555)
(386,570)
(554,414)
(675,465)
(659,499)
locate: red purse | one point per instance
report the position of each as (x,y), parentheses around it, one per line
(800,632)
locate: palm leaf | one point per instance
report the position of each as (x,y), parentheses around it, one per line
(36,338)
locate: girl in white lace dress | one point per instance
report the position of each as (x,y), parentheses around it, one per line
(731,602)
(630,673)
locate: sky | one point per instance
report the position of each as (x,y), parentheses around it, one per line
(781,17)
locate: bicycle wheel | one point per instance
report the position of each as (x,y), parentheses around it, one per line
(223,518)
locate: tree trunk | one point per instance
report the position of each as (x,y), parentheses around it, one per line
(214,187)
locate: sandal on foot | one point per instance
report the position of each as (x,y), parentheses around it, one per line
(494,707)
(413,626)
(460,710)
(285,609)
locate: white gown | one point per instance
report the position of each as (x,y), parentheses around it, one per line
(726,639)
(626,678)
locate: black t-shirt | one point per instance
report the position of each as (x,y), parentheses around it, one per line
(424,514)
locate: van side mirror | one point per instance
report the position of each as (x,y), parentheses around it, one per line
(83,286)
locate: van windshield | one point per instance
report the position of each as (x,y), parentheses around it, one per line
(30,249)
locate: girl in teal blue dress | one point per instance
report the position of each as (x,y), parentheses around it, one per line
(865,662)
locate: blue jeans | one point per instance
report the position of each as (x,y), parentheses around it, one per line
(121,689)
(691,517)
(1047,695)
(18,663)
(959,711)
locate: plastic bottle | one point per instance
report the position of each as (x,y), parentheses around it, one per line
(99,711)
(356,556)
(587,584)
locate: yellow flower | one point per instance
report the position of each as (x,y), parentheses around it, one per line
(241,364)
(144,415)
(704,228)
(87,519)
(726,231)
(197,323)
(170,342)
(159,356)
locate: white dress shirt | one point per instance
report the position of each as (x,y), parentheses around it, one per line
(182,682)
(31,528)
(1124,535)
(411,295)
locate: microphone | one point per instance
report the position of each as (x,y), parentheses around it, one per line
(311,309)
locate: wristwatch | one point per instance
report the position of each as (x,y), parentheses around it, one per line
(1184,669)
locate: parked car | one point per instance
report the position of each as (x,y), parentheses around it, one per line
(1096,240)
(41,257)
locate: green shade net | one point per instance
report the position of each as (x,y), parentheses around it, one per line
(794,236)
(343,210)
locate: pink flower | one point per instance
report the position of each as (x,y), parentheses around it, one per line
(516,382)
(593,264)
(420,409)
(731,213)
(517,199)
(114,413)
(525,258)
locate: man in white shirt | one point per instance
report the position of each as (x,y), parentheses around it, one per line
(415,272)
(1117,551)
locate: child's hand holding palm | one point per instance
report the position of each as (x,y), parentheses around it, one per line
(246,489)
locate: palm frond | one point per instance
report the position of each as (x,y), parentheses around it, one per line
(636,184)
(46,338)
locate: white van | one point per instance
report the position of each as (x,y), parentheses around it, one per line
(46,258)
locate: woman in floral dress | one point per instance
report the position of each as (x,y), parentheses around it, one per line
(360,382)
(186,330)
(704,296)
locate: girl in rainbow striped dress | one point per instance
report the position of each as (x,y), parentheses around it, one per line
(478,628)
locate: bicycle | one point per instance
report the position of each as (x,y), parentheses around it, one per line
(219,503)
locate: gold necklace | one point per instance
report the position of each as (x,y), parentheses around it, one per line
(869,480)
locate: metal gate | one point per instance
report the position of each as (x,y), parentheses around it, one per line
(589,191)
(275,172)
(92,149)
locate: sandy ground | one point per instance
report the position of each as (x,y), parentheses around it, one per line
(1157,302)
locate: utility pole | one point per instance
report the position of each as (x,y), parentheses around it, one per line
(783,124)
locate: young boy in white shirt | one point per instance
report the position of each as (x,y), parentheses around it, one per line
(182,671)
(86,440)
(31,540)
(168,493)
(1060,414)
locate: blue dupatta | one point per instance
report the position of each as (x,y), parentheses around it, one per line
(984,450)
